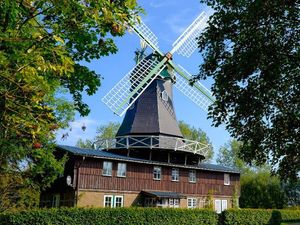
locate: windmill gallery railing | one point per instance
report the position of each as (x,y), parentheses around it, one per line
(153,142)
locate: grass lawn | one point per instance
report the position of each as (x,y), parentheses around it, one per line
(292,223)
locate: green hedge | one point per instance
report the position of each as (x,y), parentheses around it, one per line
(258,216)
(105,216)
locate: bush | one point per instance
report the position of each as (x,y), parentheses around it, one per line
(104,216)
(258,216)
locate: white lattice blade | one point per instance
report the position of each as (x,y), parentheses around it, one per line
(131,86)
(186,44)
(145,33)
(192,92)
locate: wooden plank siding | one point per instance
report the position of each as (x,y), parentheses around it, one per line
(140,177)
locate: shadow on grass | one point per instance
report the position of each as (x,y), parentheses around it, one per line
(276,218)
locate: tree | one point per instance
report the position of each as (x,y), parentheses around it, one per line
(229,155)
(261,190)
(192,133)
(259,187)
(103,132)
(251,50)
(85,143)
(41,45)
(107,131)
(292,192)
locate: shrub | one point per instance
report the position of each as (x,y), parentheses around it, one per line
(258,216)
(104,216)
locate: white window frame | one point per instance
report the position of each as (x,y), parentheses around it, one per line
(111,203)
(218,205)
(194,176)
(122,170)
(174,202)
(156,173)
(164,95)
(224,204)
(115,201)
(175,174)
(192,203)
(226,179)
(104,173)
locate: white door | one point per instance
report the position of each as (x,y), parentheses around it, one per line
(224,205)
(218,206)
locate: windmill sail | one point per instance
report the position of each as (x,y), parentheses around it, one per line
(198,93)
(186,44)
(132,85)
(146,34)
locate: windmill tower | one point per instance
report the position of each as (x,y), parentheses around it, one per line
(145,94)
(149,163)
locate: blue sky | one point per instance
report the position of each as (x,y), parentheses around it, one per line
(167,19)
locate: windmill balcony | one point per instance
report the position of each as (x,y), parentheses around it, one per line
(153,142)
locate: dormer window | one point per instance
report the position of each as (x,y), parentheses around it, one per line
(164,95)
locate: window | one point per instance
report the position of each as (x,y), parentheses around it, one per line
(118,201)
(111,201)
(107,168)
(121,170)
(191,203)
(164,95)
(224,205)
(108,201)
(192,176)
(226,179)
(220,205)
(157,173)
(175,174)
(173,202)
(55,200)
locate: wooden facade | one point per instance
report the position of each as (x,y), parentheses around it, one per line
(140,177)
(90,187)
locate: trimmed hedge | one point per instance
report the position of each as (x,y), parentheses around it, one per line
(147,216)
(258,216)
(105,216)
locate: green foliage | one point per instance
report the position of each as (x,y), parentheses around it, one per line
(261,190)
(235,197)
(103,132)
(251,50)
(292,193)
(41,45)
(16,194)
(85,143)
(107,131)
(209,204)
(258,216)
(124,216)
(229,155)
(195,134)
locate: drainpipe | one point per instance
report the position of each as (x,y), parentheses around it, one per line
(77,180)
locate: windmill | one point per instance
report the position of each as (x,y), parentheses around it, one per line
(123,95)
